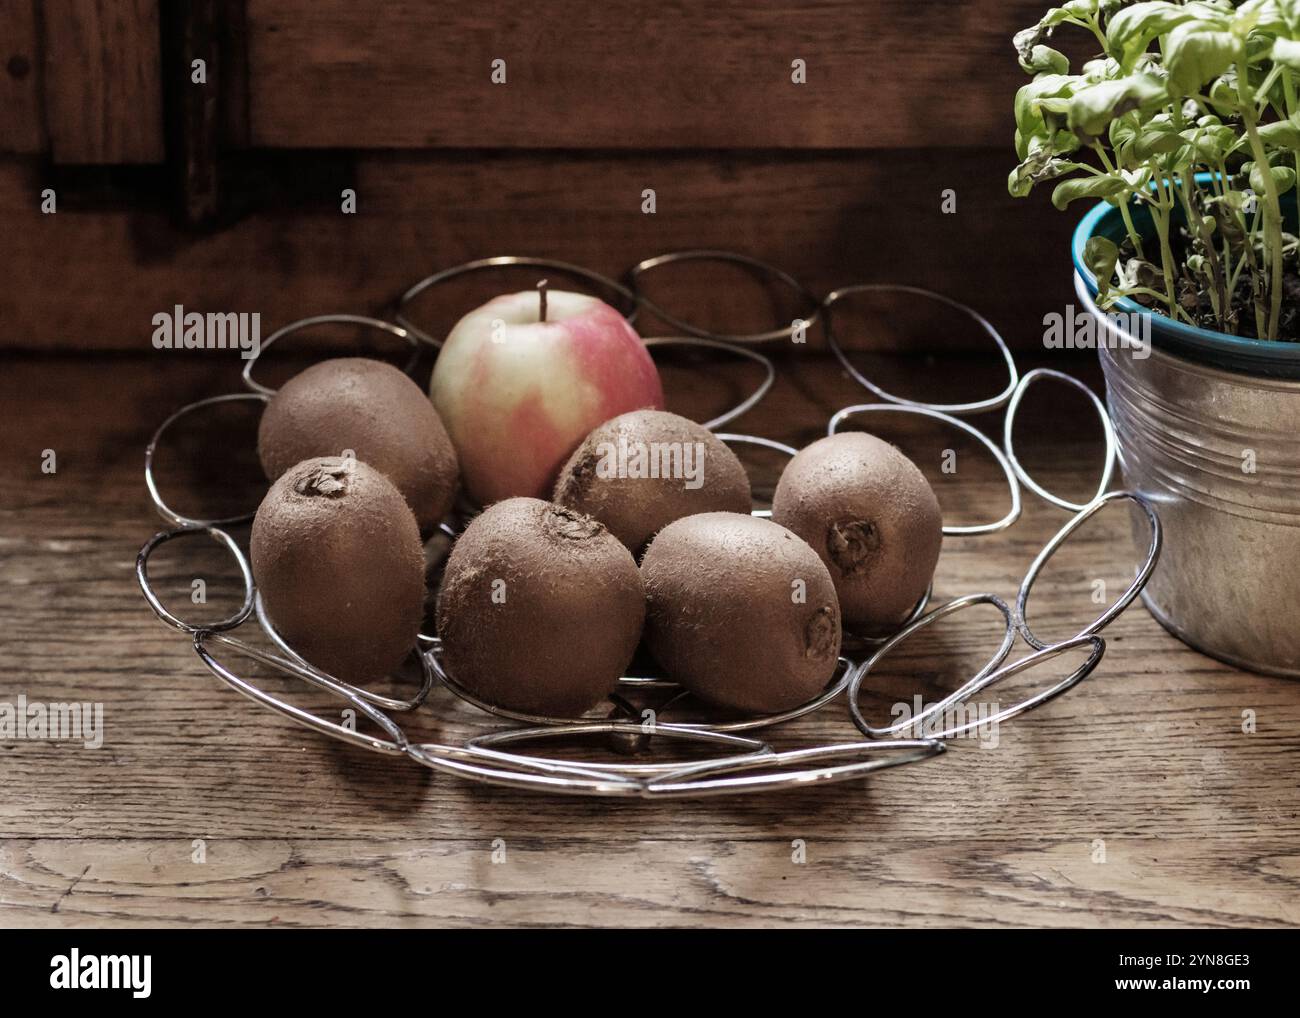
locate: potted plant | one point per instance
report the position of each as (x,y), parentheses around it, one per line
(1186,124)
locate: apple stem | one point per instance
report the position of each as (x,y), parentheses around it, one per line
(541,297)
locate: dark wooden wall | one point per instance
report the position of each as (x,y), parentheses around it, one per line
(226,196)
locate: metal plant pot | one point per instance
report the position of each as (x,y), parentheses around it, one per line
(1208,427)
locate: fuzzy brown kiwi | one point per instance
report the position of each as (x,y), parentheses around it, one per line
(635,508)
(871,515)
(741,612)
(376,411)
(336,555)
(540,609)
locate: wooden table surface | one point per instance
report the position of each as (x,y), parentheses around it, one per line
(1136,799)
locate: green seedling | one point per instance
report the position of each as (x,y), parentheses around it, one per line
(1186,117)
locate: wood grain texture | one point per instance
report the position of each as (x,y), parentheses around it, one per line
(103,81)
(22,128)
(1200,821)
(632,73)
(828,218)
(195,115)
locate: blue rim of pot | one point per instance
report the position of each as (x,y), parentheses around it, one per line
(1273,358)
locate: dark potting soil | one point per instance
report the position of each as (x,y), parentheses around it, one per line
(1241,319)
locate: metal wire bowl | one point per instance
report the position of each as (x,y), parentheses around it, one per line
(629,739)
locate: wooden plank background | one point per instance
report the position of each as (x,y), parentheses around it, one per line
(94,277)
(623,74)
(103,100)
(1146,760)
(22,127)
(635,74)
(838,181)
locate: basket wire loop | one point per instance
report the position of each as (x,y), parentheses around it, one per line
(161,610)
(722,778)
(395,743)
(1108,430)
(750,401)
(1140,577)
(973,407)
(314,320)
(164,510)
(641,735)
(757,265)
(1033,660)
(959,694)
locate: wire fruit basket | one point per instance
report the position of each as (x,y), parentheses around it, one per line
(624,744)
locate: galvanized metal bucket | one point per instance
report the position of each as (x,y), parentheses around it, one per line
(1218,452)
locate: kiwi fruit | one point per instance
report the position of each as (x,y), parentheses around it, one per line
(540,609)
(376,411)
(638,472)
(870,514)
(338,561)
(741,612)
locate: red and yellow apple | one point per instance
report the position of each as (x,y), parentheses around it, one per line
(522,380)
